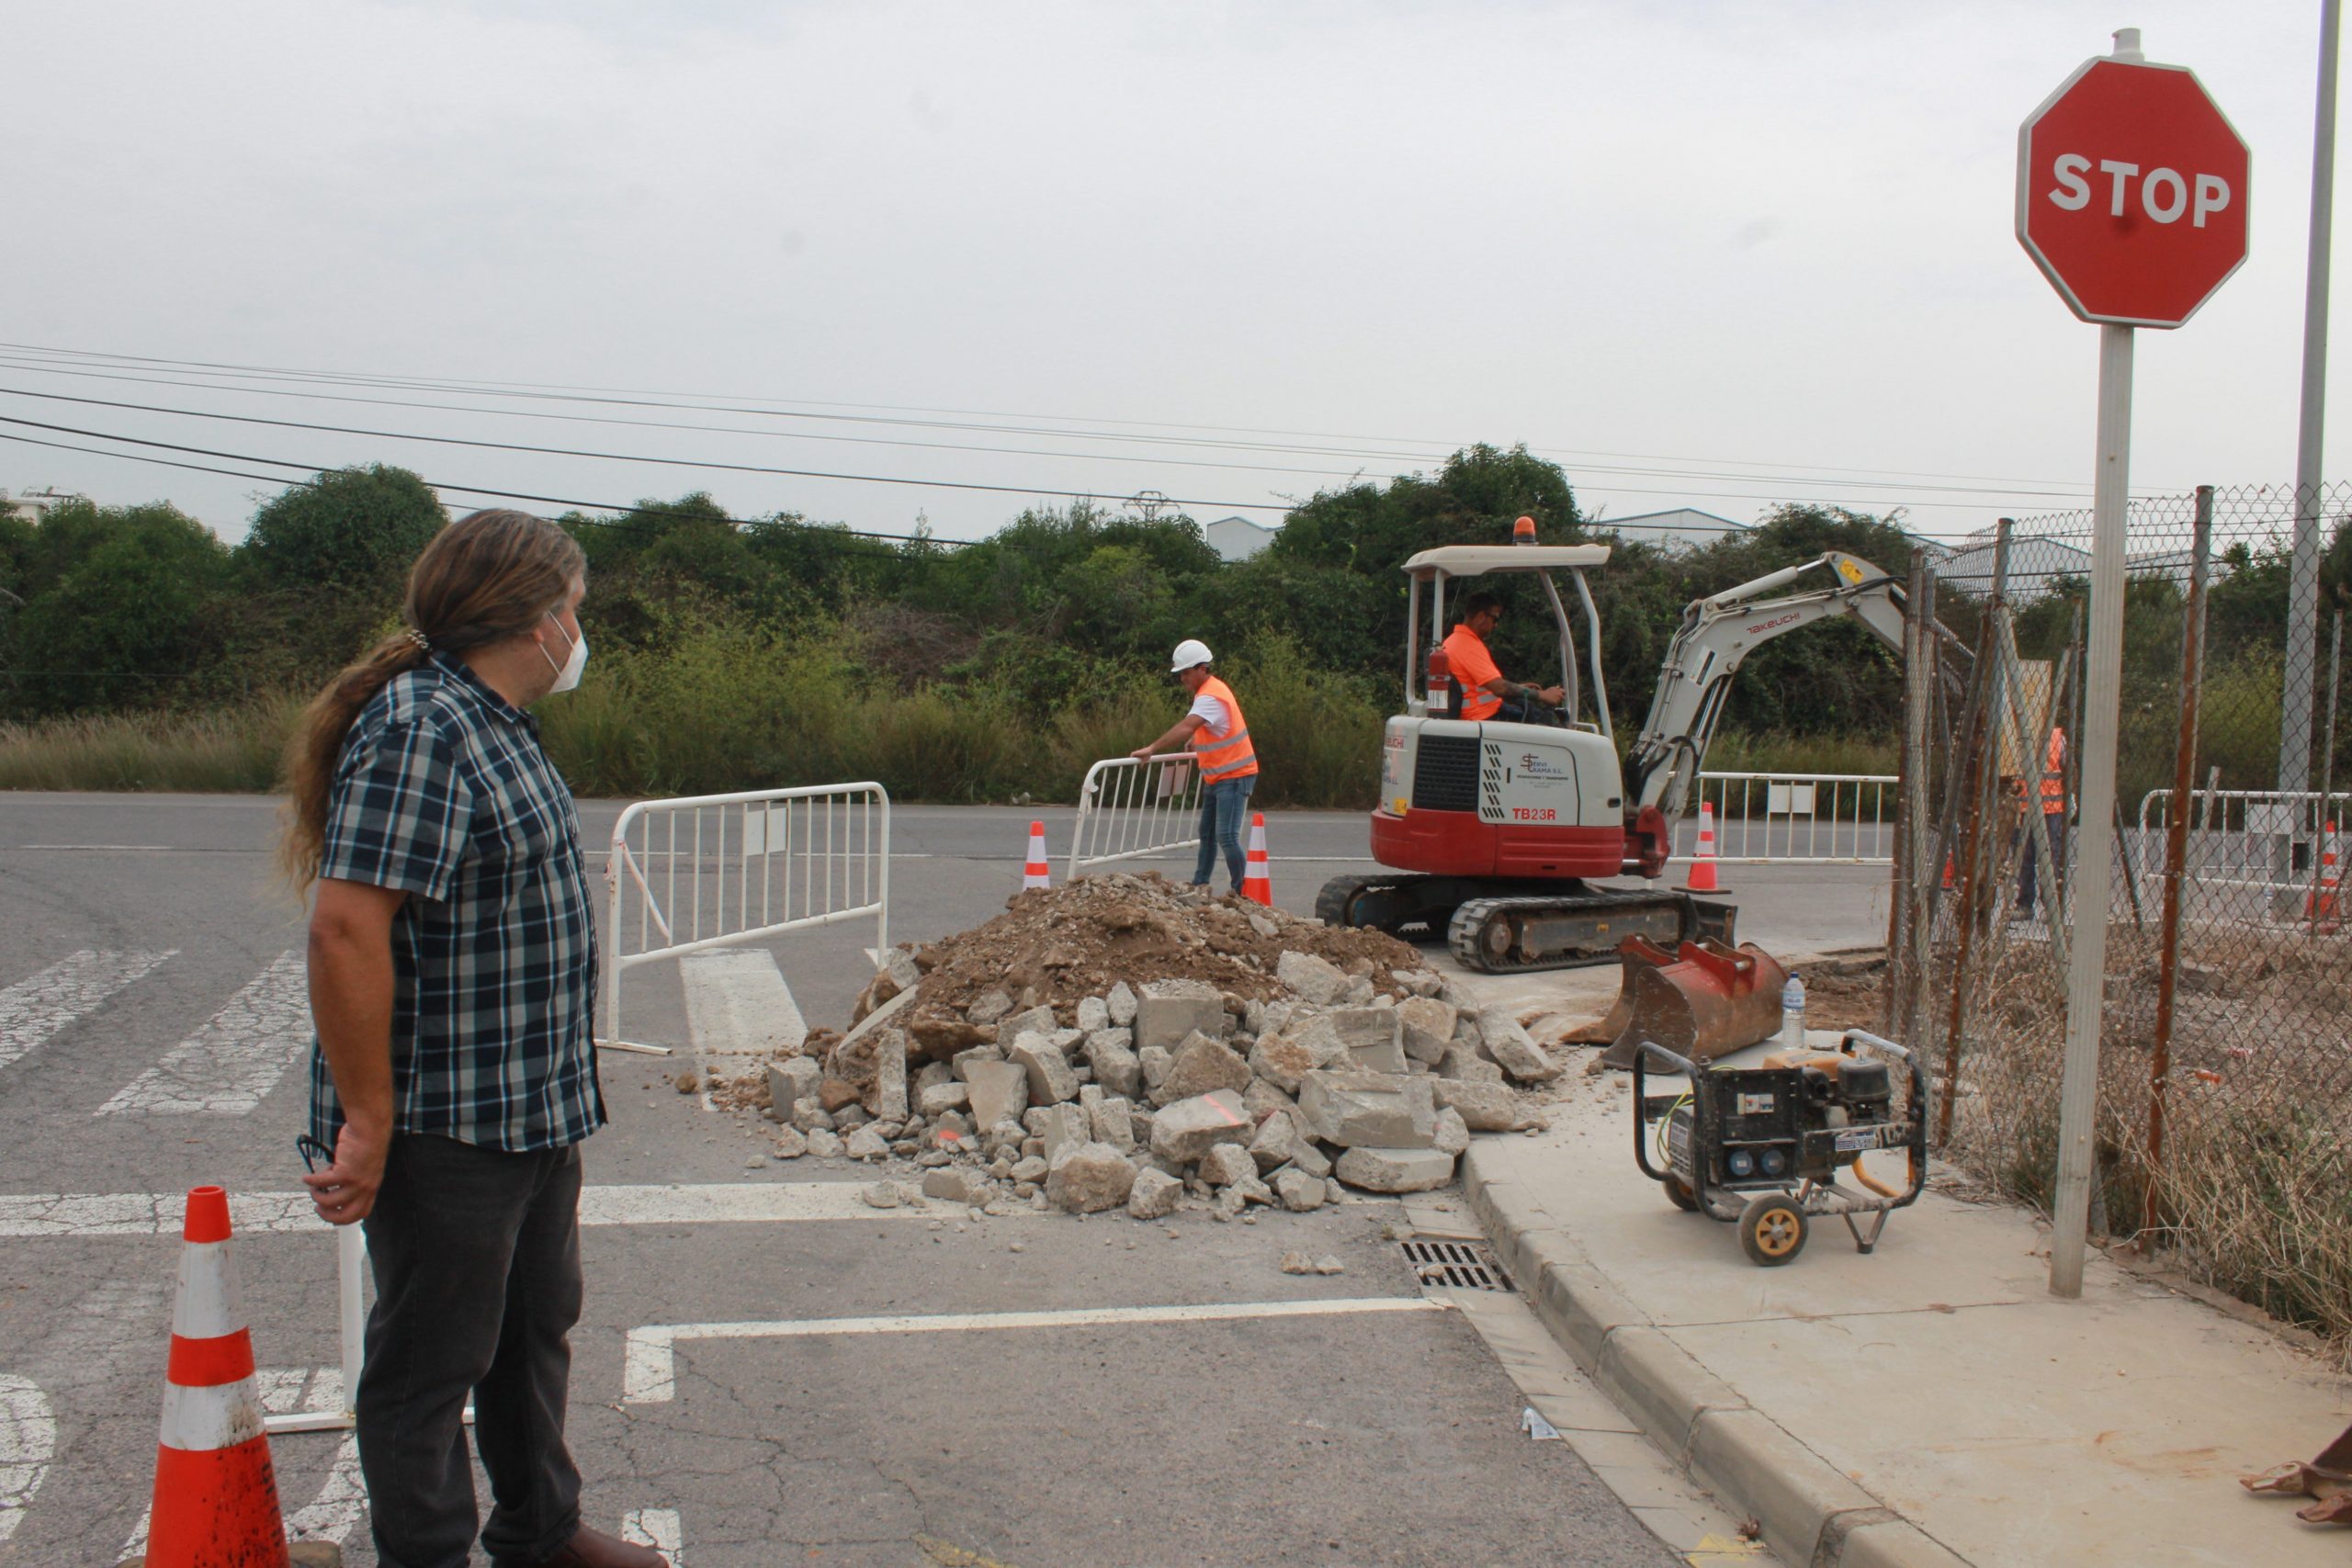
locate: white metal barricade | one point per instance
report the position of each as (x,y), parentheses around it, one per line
(1128,809)
(719,870)
(1780,819)
(2241,839)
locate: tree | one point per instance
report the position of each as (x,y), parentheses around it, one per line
(131,620)
(352,530)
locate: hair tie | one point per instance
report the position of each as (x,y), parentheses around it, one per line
(424,644)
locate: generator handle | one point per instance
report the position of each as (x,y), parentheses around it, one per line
(1876,1044)
(1916,1144)
(1641,1127)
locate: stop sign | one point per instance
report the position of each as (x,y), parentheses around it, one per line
(2131,193)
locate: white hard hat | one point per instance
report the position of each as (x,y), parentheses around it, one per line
(1189,653)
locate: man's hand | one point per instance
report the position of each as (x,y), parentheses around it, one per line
(345,1192)
(1141,753)
(1551,696)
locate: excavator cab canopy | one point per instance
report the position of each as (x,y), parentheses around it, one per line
(1430,571)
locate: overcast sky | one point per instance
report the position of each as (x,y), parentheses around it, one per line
(1721,255)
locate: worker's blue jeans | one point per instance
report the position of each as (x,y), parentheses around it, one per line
(1223,805)
(2026,877)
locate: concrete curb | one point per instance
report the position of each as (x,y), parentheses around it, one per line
(1813,1513)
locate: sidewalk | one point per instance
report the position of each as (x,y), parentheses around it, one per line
(1930,1403)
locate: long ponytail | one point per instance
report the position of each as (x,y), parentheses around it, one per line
(484,579)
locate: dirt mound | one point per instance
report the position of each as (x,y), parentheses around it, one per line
(1054,945)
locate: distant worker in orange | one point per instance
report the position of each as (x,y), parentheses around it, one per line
(1215,731)
(2053,816)
(1485,693)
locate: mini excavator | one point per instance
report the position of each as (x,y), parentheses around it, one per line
(1493,832)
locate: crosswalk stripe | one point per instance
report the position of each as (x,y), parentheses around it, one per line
(656,1528)
(229,1066)
(28,1443)
(39,1006)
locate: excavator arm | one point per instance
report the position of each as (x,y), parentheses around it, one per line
(1717,634)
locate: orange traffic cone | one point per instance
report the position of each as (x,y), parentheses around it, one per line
(216,1496)
(2322,904)
(1702,867)
(1037,873)
(1258,884)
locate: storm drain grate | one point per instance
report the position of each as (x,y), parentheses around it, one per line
(1455,1264)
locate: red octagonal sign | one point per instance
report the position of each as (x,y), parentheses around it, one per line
(2132,193)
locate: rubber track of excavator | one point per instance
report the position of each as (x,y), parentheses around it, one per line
(1466,934)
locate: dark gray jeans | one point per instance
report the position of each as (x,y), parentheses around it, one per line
(476,1254)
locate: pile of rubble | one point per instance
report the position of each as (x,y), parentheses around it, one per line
(1129,1043)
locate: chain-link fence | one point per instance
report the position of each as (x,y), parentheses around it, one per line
(2226,1069)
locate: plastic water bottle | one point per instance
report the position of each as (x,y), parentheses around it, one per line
(1793,1015)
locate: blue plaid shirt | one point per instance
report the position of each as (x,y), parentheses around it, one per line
(444,793)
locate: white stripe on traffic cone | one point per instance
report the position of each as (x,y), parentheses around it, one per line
(1037,873)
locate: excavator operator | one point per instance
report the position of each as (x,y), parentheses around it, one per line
(1485,693)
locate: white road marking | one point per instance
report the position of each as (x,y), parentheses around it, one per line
(28,1443)
(656,1528)
(37,1006)
(739,1011)
(61,1214)
(649,1359)
(99,848)
(229,1066)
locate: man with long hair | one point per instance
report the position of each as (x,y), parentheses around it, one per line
(453,972)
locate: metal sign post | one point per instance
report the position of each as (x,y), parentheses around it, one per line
(2132,191)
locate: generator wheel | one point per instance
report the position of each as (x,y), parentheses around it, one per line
(1772,1230)
(1678,1193)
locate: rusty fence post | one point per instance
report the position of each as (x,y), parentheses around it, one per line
(1978,734)
(2183,775)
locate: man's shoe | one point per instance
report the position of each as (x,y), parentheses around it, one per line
(594,1549)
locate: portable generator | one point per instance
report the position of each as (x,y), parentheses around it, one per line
(1763,1146)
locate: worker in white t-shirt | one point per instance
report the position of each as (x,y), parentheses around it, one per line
(1218,737)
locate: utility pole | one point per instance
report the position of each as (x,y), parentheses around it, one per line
(2302,594)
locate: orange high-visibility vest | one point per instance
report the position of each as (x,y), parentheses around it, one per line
(1473,667)
(1225,756)
(2053,783)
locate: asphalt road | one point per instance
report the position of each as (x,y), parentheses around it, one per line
(150,1035)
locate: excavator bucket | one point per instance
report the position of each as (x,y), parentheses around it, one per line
(2327,1481)
(1636,953)
(1712,1001)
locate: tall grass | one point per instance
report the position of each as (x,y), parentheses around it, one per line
(717,709)
(226,750)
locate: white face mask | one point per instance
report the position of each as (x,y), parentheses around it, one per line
(567,674)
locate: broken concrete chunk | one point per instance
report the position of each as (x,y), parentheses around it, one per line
(1093,1013)
(1315,979)
(1169,1012)
(1111,1119)
(956,1184)
(1200,1065)
(1420,982)
(935,1037)
(1233,1199)
(1115,1067)
(1050,1079)
(932,1074)
(1029,1168)
(1514,1050)
(1226,1164)
(1121,1001)
(824,1143)
(866,1143)
(988,1007)
(1036,1021)
(882,1195)
(1264,927)
(1277,1142)
(1262,1099)
(1371,1038)
(964,1059)
(1482,1106)
(1065,1130)
(1297,1263)
(1185,1130)
(1282,1061)
(1464,1062)
(1298,1190)
(1155,1063)
(794,1079)
(1378,1110)
(1311,1159)
(1428,1024)
(790,1144)
(1395,1171)
(1450,1135)
(1089,1179)
(888,1099)
(942,1098)
(1154,1195)
(1000,1090)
